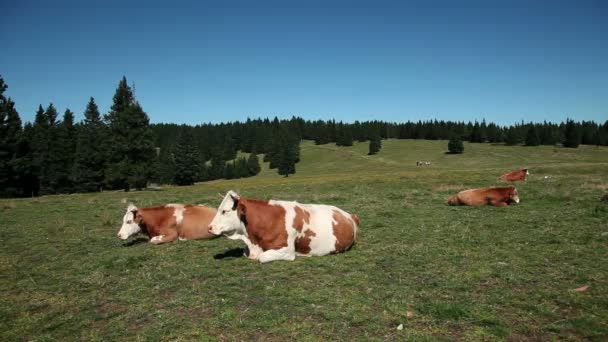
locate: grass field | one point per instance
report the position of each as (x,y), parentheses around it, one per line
(444,273)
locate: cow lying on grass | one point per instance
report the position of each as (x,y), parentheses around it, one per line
(168,223)
(279,230)
(496,196)
(513,176)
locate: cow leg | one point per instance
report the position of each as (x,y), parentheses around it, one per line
(164,237)
(254,250)
(499,204)
(284,253)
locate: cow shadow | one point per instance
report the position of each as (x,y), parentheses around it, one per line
(231,253)
(137,241)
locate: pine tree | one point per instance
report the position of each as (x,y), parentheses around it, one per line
(532,136)
(287,163)
(187,164)
(216,169)
(47,156)
(229,171)
(253,164)
(374,144)
(455,145)
(90,155)
(65,149)
(131,148)
(10,137)
(512,137)
(572,137)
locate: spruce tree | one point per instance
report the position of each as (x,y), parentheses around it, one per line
(65,149)
(374,144)
(512,137)
(187,164)
(131,148)
(572,137)
(47,156)
(532,136)
(241,168)
(253,164)
(10,137)
(90,155)
(287,163)
(455,145)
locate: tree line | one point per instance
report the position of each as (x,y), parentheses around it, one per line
(122,150)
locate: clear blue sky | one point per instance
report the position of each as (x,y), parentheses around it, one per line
(212,61)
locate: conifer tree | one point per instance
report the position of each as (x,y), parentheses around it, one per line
(253,164)
(90,155)
(455,145)
(374,144)
(47,156)
(532,136)
(65,149)
(10,136)
(229,171)
(131,149)
(287,163)
(572,137)
(187,164)
(241,168)
(512,137)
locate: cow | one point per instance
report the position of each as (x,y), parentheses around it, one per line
(423,163)
(280,230)
(515,176)
(168,223)
(496,196)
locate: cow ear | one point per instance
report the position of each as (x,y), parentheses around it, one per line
(137,217)
(241,212)
(235,202)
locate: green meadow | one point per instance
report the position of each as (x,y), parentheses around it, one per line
(437,272)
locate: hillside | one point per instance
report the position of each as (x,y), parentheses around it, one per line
(444,273)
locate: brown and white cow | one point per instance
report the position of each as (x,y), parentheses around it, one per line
(513,176)
(168,223)
(280,230)
(496,196)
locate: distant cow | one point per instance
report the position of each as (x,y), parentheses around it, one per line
(515,175)
(280,230)
(423,163)
(496,196)
(168,223)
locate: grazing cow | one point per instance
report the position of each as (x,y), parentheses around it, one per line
(515,175)
(423,163)
(280,230)
(496,196)
(168,223)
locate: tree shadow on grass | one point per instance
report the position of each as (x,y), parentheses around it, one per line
(137,241)
(231,253)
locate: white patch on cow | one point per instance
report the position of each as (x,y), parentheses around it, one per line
(254,250)
(284,253)
(157,238)
(179,214)
(517,200)
(181,238)
(129,227)
(320,222)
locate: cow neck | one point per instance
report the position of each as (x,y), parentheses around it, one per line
(152,217)
(264,223)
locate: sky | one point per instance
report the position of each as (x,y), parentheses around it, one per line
(217,61)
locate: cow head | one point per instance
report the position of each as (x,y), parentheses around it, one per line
(130,223)
(513,195)
(527,172)
(227,219)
